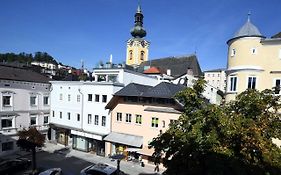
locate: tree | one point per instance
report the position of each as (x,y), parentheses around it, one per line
(29,140)
(233,138)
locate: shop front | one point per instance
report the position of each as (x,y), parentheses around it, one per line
(88,142)
(62,135)
(124,144)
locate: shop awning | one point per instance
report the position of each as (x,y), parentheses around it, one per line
(125,139)
(132,149)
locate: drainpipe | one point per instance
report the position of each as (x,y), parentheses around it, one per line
(82,108)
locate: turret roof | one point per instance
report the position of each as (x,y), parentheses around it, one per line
(247,30)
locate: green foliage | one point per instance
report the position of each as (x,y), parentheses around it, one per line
(29,140)
(233,138)
(27,58)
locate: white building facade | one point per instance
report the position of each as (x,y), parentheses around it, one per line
(216,78)
(23,104)
(78,115)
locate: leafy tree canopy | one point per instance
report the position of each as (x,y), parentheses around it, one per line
(233,138)
(31,138)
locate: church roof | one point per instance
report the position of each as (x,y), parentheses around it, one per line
(177,65)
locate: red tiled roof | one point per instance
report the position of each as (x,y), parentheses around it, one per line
(152,70)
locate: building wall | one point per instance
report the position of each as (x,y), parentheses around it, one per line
(145,129)
(264,64)
(97,107)
(20,110)
(60,103)
(216,79)
(87,132)
(126,76)
(134,50)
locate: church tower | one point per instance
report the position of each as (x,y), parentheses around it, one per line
(137,46)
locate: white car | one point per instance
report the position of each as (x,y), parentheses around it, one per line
(52,171)
(99,169)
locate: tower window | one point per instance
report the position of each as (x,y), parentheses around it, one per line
(233,52)
(254,51)
(233,84)
(277,86)
(142,55)
(131,54)
(252,82)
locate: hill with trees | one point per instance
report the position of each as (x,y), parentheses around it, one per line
(27,57)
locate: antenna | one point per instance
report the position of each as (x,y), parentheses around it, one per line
(82,64)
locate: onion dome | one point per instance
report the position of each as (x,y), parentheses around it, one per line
(138,30)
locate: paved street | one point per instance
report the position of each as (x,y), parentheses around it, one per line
(73,161)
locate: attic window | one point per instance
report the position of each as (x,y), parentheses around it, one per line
(280,53)
(7,85)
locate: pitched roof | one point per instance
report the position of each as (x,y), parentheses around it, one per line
(21,74)
(163,90)
(177,65)
(133,89)
(248,29)
(152,70)
(278,35)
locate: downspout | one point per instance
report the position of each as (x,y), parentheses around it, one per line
(82,108)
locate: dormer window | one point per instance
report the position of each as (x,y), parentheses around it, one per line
(233,52)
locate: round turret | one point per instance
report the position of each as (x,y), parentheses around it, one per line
(247,30)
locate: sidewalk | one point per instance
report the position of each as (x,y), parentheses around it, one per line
(128,167)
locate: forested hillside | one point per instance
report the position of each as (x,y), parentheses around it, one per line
(27,57)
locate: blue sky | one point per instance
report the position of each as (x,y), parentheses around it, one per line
(71,30)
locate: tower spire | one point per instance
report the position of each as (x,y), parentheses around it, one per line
(138,30)
(249,16)
(139,7)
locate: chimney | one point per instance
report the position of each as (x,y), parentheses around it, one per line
(189,71)
(169,72)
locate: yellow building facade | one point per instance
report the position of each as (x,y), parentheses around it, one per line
(137,46)
(254,61)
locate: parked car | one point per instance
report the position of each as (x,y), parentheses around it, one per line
(99,169)
(52,171)
(11,166)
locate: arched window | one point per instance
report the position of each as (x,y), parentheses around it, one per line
(142,55)
(131,54)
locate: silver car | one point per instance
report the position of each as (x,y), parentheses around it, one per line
(99,169)
(52,171)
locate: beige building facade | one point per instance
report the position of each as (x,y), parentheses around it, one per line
(136,120)
(254,61)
